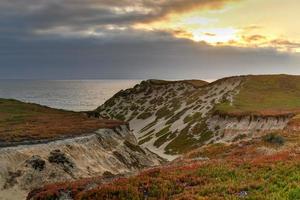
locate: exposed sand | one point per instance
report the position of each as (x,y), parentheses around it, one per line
(90,156)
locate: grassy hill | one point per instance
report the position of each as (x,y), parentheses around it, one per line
(265,95)
(25,121)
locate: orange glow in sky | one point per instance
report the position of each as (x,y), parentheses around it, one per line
(243,23)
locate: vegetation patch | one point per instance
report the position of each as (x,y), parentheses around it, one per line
(177,116)
(121,158)
(294,193)
(182,143)
(270,91)
(134,107)
(163,131)
(25,121)
(175,104)
(110,103)
(189,138)
(157,101)
(239,137)
(134,147)
(213,171)
(120,116)
(209,151)
(58,157)
(142,101)
(133,115)
(144,140)
(194,97)
(147,134)
(196,117)
(147,127)
(144,115)
(228,179)
(163,112)
(163,139)
(274,138)
(205,136)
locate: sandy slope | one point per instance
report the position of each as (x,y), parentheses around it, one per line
(85,156)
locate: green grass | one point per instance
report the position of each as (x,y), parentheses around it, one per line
(146,139)
(163,131)
(182,143)
(144,115)
(161,140)
(177,116)
(163,112)
(196,117)
(148,126)
(267,95)
(190,138)
(120,116)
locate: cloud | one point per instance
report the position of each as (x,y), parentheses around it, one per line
(285,43)
(254,38)
(162,9)
(107,19)
(136,57)
(251,27)
(263,41)
(95,39)
(82,16)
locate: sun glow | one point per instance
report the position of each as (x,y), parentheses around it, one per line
(233,25)
(214,36)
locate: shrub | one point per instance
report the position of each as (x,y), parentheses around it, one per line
(193,118)
(144,115)
(177,116)
(133,107)
(274,139)
(134,147)
(163,112)
(161,140)
(144,140)
(147,127)
(163,131)
(120,116)
(111,192)
(239,137)
(217,127)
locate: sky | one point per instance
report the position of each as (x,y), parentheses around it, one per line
(143,39)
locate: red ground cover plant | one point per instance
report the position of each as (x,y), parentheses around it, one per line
(239,171)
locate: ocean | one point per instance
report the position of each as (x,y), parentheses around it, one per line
(76,95)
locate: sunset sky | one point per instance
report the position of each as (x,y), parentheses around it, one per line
(138,39)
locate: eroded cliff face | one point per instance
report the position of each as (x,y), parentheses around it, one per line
(23,168)
(232,128)
(169,118)
(172,118)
